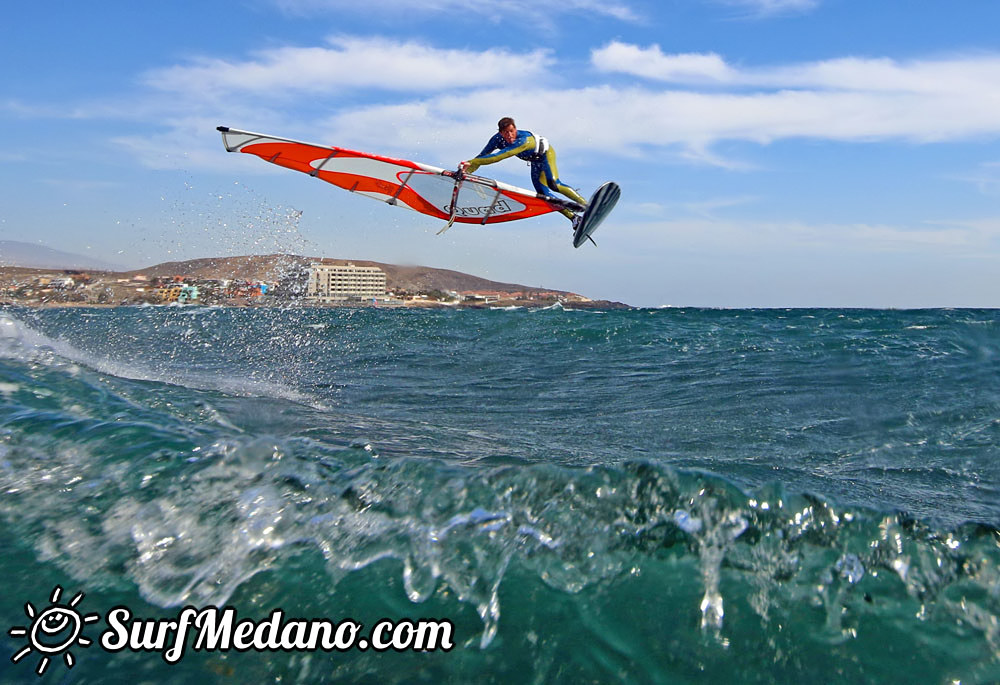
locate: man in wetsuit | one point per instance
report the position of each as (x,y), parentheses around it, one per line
(509,142)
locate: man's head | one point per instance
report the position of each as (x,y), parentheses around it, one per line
(507,129)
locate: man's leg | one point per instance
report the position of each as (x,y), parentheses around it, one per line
(539,172)
(551,178)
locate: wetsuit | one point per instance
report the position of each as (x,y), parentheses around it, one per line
(537,151)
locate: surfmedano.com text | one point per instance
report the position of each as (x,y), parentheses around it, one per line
(218,630)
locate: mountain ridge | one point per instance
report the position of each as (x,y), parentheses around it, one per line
(278,268)
(33,256)
(273,267)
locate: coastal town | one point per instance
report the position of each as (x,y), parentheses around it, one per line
(271,281)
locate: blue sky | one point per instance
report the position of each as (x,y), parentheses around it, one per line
(770,152)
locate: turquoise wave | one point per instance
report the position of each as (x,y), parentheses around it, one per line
(370,465)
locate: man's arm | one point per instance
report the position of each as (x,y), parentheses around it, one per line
(494,143)
(487,156)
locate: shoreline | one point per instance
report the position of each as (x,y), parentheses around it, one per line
(269,280)
(290,304)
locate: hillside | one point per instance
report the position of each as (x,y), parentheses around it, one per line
(272,268)
(288,273)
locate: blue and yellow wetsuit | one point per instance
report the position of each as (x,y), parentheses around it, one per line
(537,151)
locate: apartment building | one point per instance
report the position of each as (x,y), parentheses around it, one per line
(345,283)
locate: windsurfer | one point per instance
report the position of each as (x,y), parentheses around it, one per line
(510,142)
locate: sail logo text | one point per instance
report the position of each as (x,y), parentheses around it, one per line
(501,207)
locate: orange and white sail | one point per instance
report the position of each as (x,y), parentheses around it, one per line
(420,187)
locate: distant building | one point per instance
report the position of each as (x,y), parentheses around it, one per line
(245,289)
(345,283)
(178,292)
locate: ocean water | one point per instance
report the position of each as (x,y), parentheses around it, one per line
(647,496)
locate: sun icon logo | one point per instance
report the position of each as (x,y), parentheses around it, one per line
(53,631)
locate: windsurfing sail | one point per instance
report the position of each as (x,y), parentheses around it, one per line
(439,193)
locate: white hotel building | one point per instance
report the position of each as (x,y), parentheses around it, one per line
(345,283)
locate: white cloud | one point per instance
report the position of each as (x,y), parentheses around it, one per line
(840,99)
(653,64)
(941,76)
(632,121)
(439,105)
(495,11)
(766,8)
(349,63)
